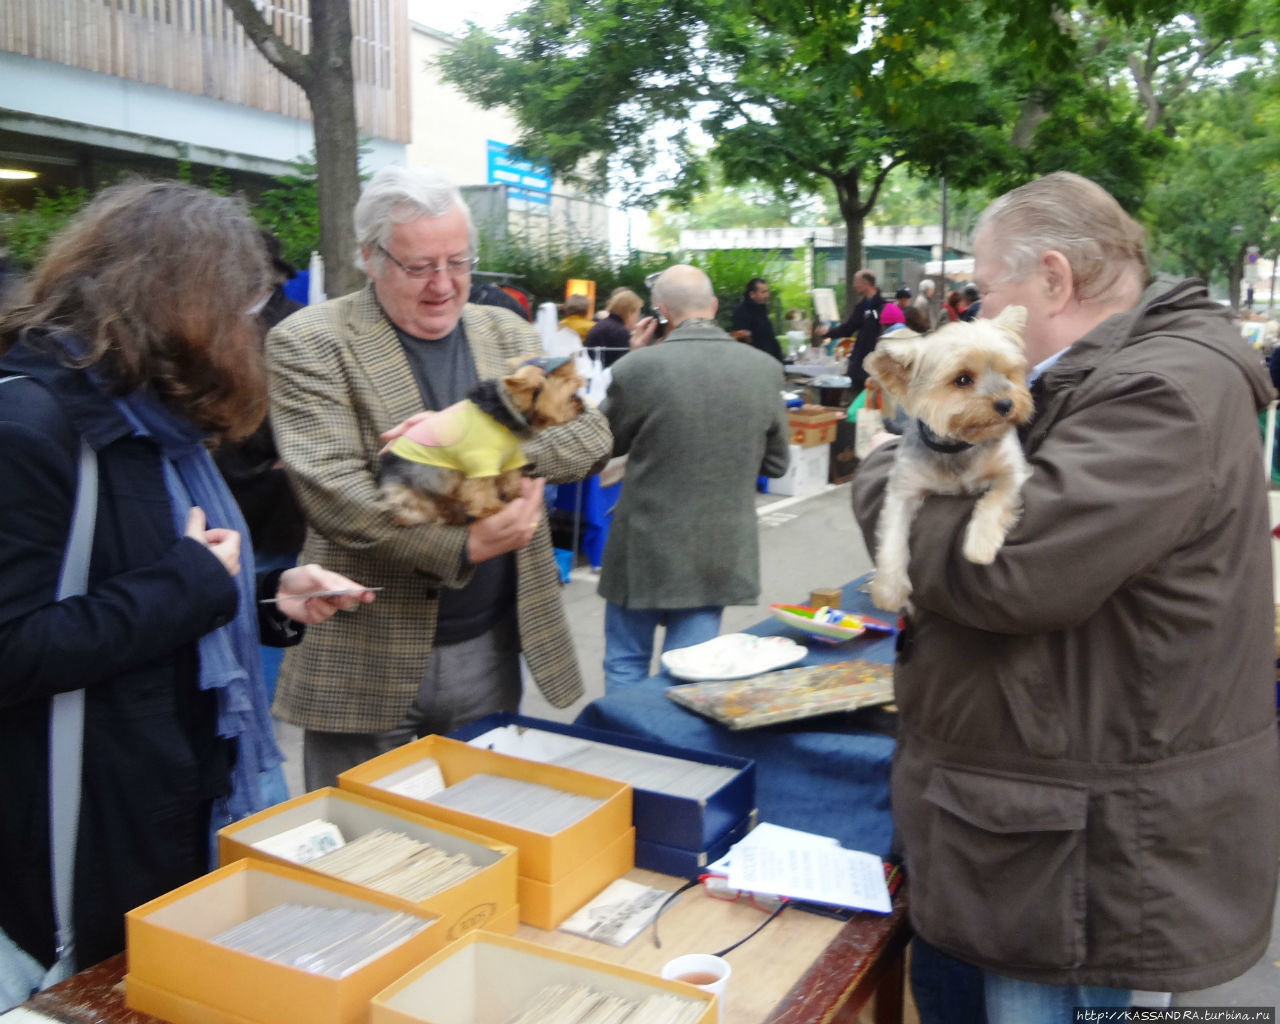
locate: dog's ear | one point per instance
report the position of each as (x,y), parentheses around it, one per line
(523,383)
(893,362)
(1013,321)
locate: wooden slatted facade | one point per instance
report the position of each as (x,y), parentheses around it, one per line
(197,46)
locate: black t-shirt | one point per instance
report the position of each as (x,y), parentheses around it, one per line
(445,371)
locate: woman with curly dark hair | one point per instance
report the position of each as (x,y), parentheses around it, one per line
(133,346)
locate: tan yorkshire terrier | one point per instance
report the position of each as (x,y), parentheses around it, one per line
(965,391)
(464,463)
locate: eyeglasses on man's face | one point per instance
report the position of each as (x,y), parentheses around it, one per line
(454,268)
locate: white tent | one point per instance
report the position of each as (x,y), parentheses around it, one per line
(958,267)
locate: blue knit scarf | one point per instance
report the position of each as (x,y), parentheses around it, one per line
(228,656)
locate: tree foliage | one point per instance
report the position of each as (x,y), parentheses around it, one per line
(1220,191)
(791,95)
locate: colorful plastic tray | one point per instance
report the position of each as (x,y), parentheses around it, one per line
(846,627)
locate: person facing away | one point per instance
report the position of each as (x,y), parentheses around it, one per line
(863,326)
(136,336)
(751,315)
(613,334)
(699,418)
(251,467)
(460,604)
(952,308)
(575,314)
(972,305)
(1084,782)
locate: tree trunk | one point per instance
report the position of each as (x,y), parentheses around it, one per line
(851,211)
(1235,274)
(333,113)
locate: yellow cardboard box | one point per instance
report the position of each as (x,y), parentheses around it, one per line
(487,979)
(177,972)
(547,904)
(543,857)
(472,903)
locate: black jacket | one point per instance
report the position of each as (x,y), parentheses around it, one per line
(750,315)
(863,326)
(152,759)
(611,335)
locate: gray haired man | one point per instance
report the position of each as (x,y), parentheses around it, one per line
(441,645)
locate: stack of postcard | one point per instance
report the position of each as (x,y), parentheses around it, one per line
(789,695)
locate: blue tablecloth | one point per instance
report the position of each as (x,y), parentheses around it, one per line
(828,775)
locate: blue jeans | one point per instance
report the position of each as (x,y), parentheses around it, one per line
(629,635)
(1027,1002)
(945,990)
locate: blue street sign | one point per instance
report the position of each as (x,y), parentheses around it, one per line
(523,179)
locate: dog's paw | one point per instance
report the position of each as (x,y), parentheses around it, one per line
(981,542)
(889,591)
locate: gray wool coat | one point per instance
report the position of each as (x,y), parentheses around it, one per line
(699,417)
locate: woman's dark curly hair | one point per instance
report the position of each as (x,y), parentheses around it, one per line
(155,278)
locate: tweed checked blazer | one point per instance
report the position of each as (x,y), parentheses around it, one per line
(339,377)
(699,417)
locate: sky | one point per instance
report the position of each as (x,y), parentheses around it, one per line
(452,17)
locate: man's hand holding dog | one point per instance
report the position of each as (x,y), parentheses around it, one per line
(508,530)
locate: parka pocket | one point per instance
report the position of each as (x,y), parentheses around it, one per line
(1005,867)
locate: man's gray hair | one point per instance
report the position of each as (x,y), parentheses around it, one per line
(397,195)
(927,286)
(686,291)
(1103,245)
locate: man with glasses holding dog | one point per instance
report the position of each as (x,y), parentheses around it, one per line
(1084,785)
(459,604)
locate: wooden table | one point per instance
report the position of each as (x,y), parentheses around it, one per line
(801,969)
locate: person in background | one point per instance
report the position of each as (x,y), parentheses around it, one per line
(486,293)
(902,297)
(972,304)
(460,604)
(613,334)
(1084,784)
(684,538)
(252,466)
(575,315)
(113,345)
(952,308)
(924,299)
(751,321)
(863,326)
(916,320)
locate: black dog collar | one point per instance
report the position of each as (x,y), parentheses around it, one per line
(937,444)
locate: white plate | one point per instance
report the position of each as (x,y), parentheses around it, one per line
(732,656)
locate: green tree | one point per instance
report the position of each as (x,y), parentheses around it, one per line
(26,232)
(1220,191)
(791,95)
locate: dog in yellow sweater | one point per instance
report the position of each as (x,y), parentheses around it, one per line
(464,463)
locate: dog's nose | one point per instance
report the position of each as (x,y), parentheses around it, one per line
(1003,405)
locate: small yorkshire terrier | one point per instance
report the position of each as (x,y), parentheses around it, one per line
(965,389)
(464,463)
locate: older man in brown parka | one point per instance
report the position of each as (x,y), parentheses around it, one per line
(1085,781)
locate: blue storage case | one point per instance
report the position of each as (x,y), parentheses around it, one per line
(672,860)
(683,823)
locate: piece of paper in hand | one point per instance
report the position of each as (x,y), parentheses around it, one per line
(843,878)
